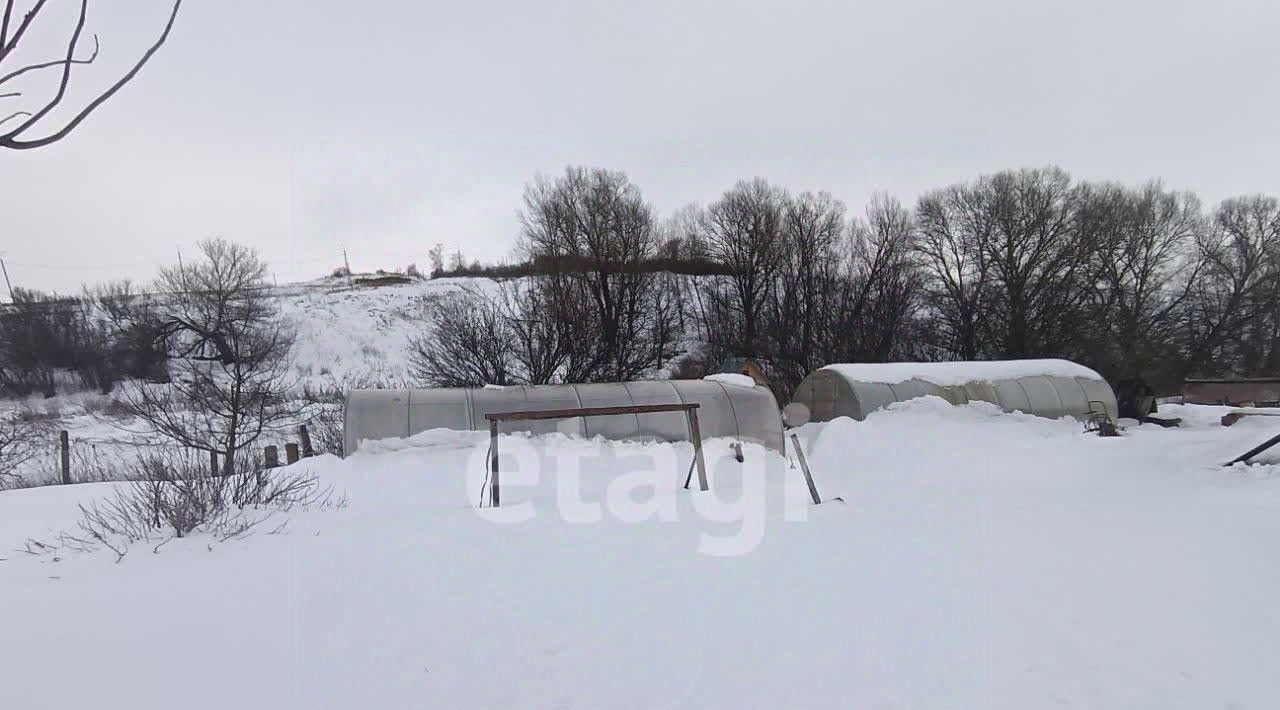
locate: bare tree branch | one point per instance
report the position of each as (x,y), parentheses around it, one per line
(4,24)
(55,63)
(62,85)
(12,138)
(6,48)
(13,115)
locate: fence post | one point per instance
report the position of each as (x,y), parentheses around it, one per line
(64,456)
(696,434)
(804,466)
(305,436)
(270,456)
(291,452)
(213,463)
(494,499)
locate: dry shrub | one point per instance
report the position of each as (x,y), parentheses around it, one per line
(176,496)
(325,424)
(21,436)
(105,406)
(323,408)
(323,411)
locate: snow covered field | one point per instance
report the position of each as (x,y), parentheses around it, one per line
(981,560)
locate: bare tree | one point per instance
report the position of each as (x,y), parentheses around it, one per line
(594,234)
(1008,263)
(522,333)
(1230,324)
(542,333)
(1038,260)
(806,289)
(42,334)
(469,344)
(1144,241)
(21,72)
(744,232)
(680,235)
(885,287)
(228,355)
(843,291)
(436,255)
(950,224)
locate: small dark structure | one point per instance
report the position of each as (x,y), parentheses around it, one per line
(1137,400)
(745,366)
(1232,417)
(1256,391)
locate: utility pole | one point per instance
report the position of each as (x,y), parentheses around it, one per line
(6,280)
(182,271)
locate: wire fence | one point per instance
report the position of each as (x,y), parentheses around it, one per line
(63,458)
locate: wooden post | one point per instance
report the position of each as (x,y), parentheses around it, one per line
(1254,451)
(305,436)
(270,456)
(695,434)
(291,452)
(494,498)
(804,466)
(213,463)
(64,456)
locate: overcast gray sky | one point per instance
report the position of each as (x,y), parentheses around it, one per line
(306,126)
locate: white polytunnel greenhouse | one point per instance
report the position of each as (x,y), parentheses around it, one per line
(1046,388)
(724,410)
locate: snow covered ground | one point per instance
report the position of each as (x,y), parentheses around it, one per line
(980,560)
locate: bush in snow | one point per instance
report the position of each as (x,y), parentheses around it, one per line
(19,442)
(323,413)
(176,496)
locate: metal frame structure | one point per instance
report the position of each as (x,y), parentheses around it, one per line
(727,410)
(690,410)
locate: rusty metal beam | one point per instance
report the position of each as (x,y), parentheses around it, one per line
(525,416)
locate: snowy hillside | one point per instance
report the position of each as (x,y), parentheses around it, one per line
(361,334)
(980,560)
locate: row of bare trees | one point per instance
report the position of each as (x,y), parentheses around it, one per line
(108,334)
(809,285)
(1135,281)
(202,359)
(593,311)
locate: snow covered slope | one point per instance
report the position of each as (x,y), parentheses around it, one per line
(361,334)
(982,560)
